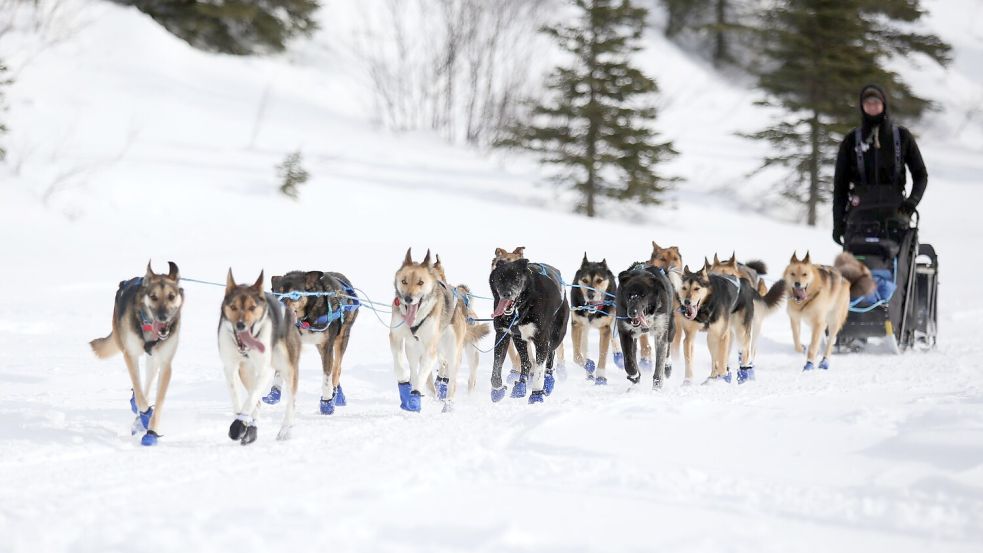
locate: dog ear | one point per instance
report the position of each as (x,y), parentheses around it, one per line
(230,282)
(275,282)
(520,251)
(806,258)
(795,257)
(258,286)
(686,271)
(437,263)
(705,271)
(584,262)
(716,260)
(408,260)
(310,279)
(604,263)
(426,259)
(655,247)
(499,252)
(172,271)
(150,273)
(733,258)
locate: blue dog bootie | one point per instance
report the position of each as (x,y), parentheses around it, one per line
(339,397)
(512,376)
(590,367)
(273,397)
(601,381)
(133,402)
(824,364)
(645,364)
(548,383)
(150,438)
(327,406)
(442,384)
(536,397)
(808,367)
(413,403)
(744,374)
(619,360)
(498,393)
(519,388)
(404,394)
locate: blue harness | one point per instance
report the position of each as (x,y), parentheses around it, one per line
(323,322)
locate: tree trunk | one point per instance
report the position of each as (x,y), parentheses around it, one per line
(721,53)
(813,168)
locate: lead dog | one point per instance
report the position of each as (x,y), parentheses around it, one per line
(146,321)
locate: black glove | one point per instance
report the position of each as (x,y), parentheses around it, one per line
(907,207)
(838,234)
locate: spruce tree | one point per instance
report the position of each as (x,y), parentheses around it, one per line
(817,56)
(240,27)
(594,124)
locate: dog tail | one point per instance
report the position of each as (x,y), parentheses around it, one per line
(104,347)
(773,299)
(758,266)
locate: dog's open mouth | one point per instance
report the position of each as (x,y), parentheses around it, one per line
(504,307)
(247,341)
(637,322)
(410,316)
(689,311)
(799,294)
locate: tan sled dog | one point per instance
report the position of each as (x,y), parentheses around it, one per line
(146,320)
(820,295)
(427,323)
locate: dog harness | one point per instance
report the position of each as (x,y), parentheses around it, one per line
(322,323)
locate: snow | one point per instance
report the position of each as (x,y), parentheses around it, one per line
(114,160)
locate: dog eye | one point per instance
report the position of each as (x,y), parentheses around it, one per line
(233,308)
(153,297)
(419,283)
(170,297)
(404,281)
(252,308)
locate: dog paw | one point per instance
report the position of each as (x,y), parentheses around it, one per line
(413,403)
(548,383)
(519,389)
(498,393)
(512,377)
(619,359)
(339,397)
(283,434)
(237,430)
(448,407)
(601,381)
(744,374)
(273,397)
(645,363)
(442,385)
(590,367)
(824,364)
(249,436)
(327,406)
(656,384)
(808,366)
(133,402)
(149,439)
(536,397)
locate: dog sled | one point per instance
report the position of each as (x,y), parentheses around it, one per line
(903,313)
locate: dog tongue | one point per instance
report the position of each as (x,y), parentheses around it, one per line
(501,307)
(410,316)
(251,343)
(799,293)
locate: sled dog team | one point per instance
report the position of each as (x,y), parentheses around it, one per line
(647,310)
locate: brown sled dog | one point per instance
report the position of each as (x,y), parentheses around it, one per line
(857,274)
(146,321)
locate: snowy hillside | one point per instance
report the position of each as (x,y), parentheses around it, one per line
(126,144)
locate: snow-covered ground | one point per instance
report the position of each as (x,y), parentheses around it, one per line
(125,145)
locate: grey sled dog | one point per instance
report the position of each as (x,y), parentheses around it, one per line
(146,321)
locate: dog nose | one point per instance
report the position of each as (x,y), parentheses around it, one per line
(240,325)
(797,285)
(686,302)
(408,299)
